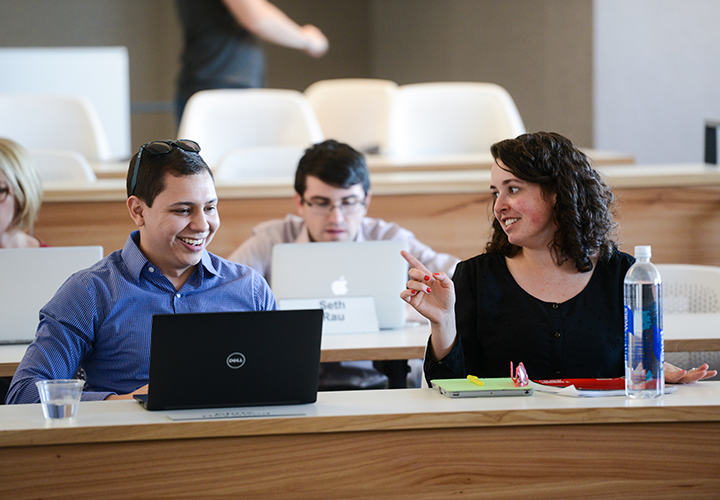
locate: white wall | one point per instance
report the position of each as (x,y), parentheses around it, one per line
(656,77)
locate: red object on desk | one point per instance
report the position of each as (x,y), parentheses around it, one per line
(591,384)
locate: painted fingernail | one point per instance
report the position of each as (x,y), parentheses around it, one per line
(428,290)
(427,278)
(414,292)
(436,274)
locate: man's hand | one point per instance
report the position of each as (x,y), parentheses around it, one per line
(142,390)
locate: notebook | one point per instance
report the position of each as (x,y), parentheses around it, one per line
(463,388)
(344,269)
(30,278)
(233,359)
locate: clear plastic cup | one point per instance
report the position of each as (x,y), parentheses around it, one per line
(60,398)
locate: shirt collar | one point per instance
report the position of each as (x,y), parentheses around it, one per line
(135,260)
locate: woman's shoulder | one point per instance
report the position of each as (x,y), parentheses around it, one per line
(481,264)
(619,260)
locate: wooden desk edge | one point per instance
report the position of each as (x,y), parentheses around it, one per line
(356,423)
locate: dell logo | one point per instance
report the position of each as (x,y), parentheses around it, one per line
(235,360)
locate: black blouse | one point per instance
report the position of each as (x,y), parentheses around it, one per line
(499,322)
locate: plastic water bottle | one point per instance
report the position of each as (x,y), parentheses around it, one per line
(644,353)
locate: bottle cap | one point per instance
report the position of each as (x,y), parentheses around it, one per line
(643,251)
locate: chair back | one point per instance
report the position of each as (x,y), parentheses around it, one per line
(275,163)
(227,119)
(450,118)
(689,288)
(354,110)
(44,121)
(54,165)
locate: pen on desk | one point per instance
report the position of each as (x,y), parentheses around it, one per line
(475,380)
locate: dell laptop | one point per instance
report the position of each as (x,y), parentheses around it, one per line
(233,359)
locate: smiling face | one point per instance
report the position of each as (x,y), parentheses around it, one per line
(522,208)
(181,223)
(334,225)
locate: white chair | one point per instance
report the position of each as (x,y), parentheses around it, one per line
(276,163)
(223,120)
(43,121)
(430,119)
(55,165)
(354,110)
(691,289)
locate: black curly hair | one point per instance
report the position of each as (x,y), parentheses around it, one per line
(583,208)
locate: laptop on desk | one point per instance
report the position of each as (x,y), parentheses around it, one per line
(233,359)
(30,278)
(344,269)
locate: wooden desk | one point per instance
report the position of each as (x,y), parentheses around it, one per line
(683,332)
(380,163)
(447,210)
(472,161)
(404,444)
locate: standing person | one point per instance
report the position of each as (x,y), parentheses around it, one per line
(20,197)
(222,43)
(548,291)
(100,319)
(332,196)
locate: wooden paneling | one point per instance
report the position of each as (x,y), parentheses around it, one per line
(546,461)
(681,223)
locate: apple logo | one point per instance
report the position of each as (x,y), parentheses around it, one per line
(339,286)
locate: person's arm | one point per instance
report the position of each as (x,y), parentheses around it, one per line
(269,23)
(433,296)
(55,353)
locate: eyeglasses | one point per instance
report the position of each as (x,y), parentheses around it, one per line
(160,148)
(520,376)
(4,193)
(348,206)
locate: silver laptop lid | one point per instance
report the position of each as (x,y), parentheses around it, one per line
(351,269)
(31,276)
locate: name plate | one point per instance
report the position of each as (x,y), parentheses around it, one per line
(341,314)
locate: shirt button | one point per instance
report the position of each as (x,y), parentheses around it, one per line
(151,269)
(178,295)
(555,306)
(557,335)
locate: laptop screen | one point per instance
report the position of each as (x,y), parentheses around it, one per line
(344,269)
(234,359)
(35,274)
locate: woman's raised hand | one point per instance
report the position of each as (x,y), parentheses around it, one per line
(431,294)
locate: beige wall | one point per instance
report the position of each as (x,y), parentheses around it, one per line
(539,51)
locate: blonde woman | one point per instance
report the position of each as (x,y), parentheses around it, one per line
(20,197)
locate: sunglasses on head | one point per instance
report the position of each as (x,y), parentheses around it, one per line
(160,148)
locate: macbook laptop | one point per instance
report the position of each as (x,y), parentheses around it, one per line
(30,278)
(344,269)
(233,359)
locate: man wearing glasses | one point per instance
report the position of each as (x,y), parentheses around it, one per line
(100,319)
(332,196)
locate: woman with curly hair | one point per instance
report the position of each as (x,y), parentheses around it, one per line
(548,291)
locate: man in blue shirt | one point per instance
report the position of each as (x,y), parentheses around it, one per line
(100,319)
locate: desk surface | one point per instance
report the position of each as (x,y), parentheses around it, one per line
(399,181)
(402,444)
(380,163)
(351,411)
(682,332)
